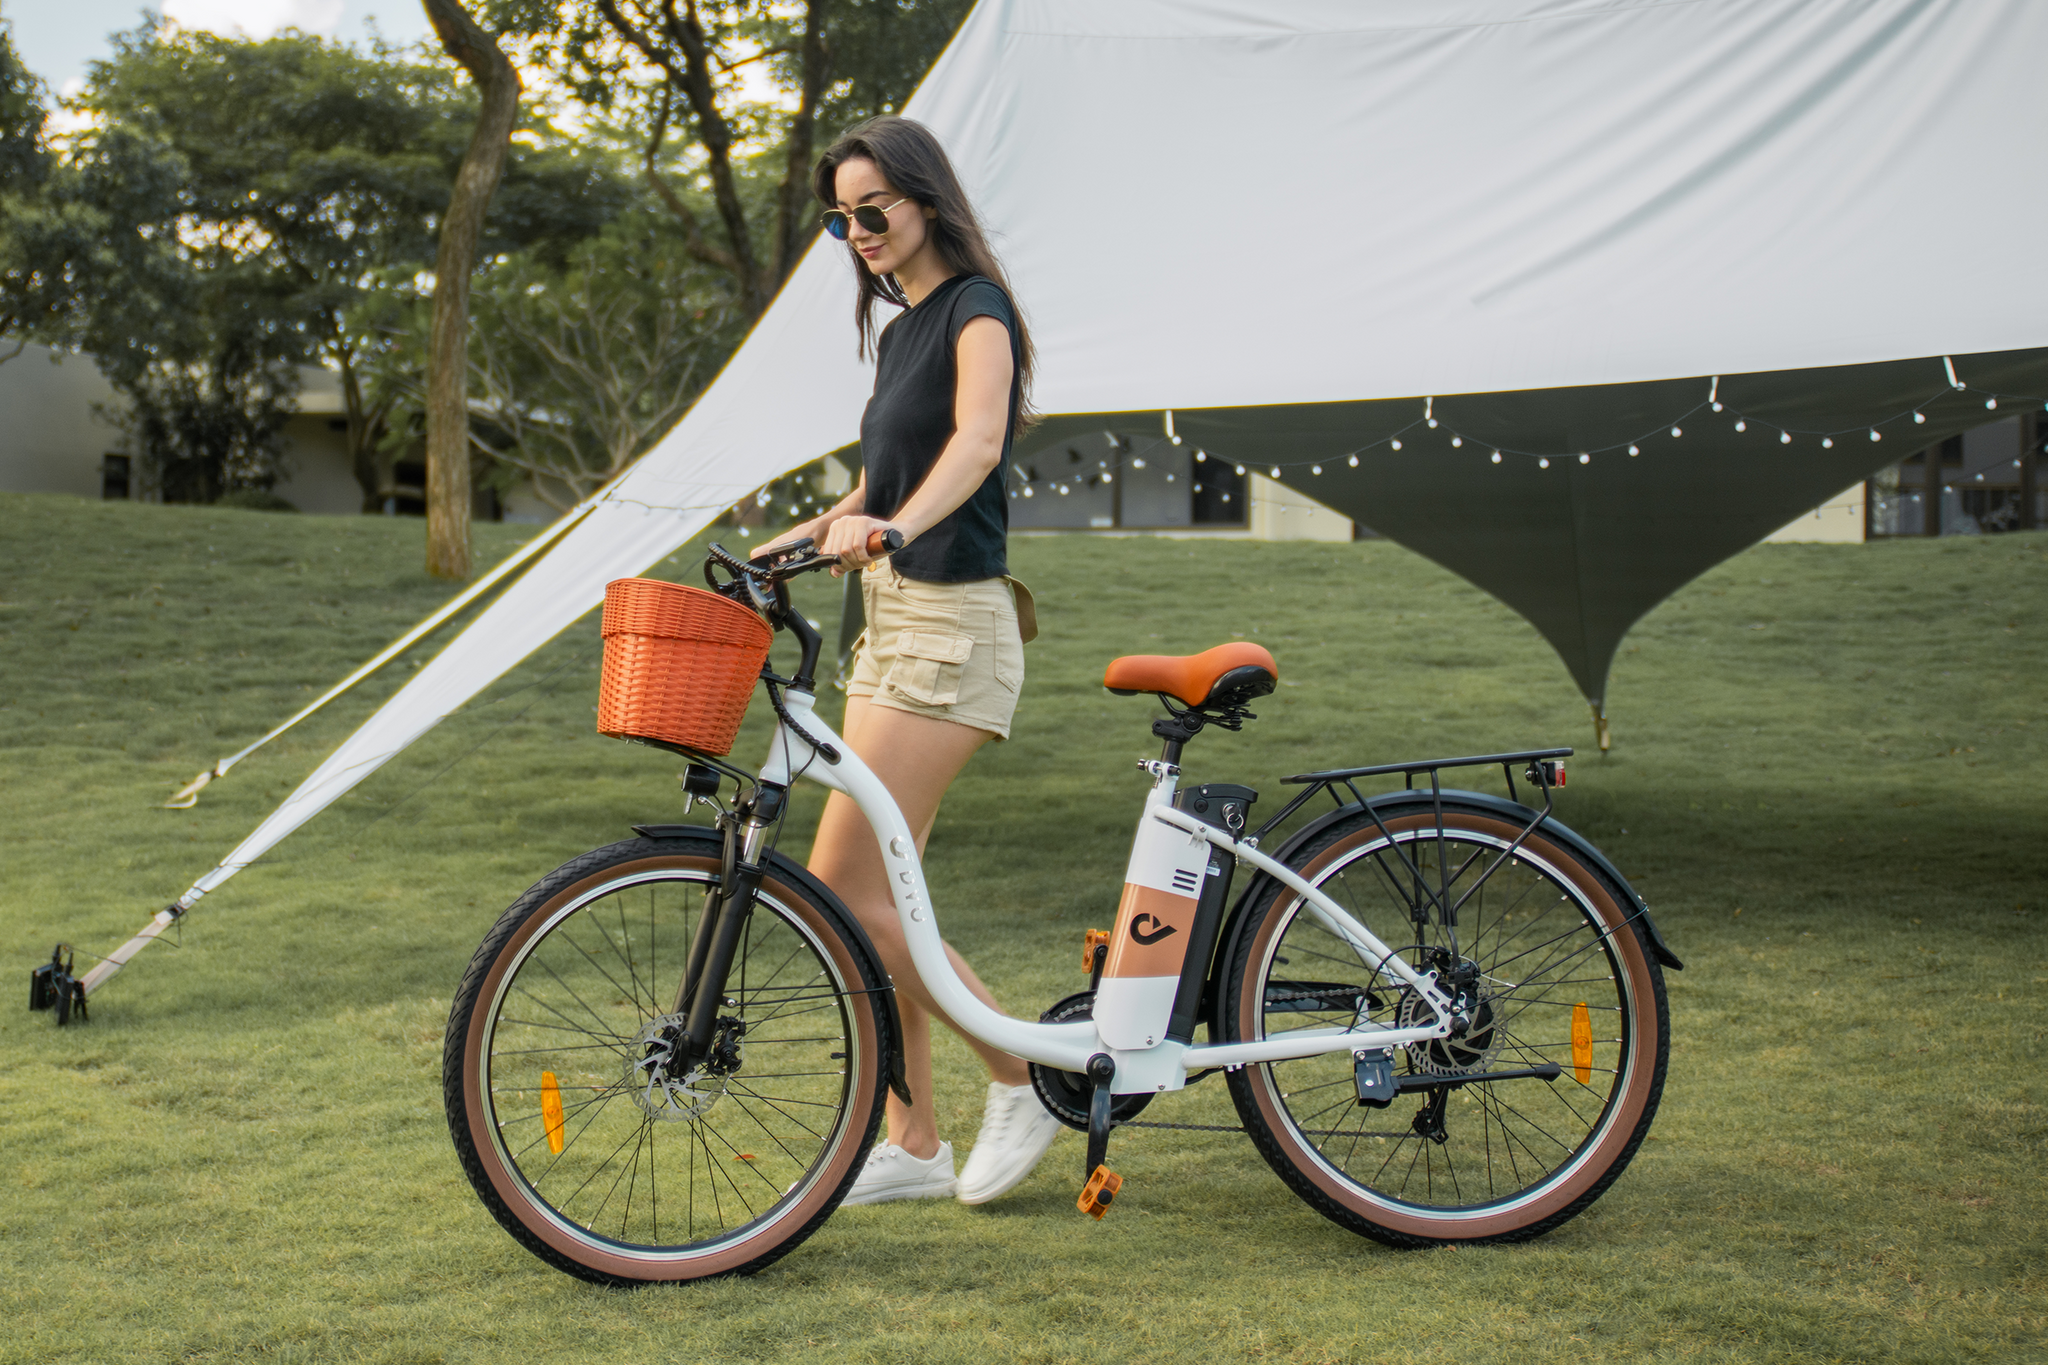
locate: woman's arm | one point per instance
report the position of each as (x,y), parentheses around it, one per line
(981,416)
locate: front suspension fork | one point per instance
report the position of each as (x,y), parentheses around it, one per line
(727,911)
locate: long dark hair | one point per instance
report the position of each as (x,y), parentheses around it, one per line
(914,163)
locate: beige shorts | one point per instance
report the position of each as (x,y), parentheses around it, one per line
(951,651)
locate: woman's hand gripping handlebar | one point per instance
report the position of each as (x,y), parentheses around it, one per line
(763,584)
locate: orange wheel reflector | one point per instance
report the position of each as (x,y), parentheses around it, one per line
(551,1109)
(1582,1044)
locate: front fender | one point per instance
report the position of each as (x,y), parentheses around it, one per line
(791,871)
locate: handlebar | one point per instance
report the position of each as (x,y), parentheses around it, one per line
(764,586)
(797,557)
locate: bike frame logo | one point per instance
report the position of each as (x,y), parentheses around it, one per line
(1151,937)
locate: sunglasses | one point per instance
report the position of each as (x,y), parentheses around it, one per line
(867,215)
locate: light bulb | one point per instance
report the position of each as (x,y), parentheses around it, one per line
(1027,490)
(1137,464)
(1827,443)
(1240,471)
(1543,463)
(1397,445)
(1991,402)
(1353,462)
(1276,472)
(1584,458)
(1176,440)
(1742,426)
(1457,440)
(1717,407)
(1315,469)
(1432,424)
(1784,438)
(1676,432)
(1919,419)
(1169,479)
(1198,488)
(1201,457)
(1496,457)
(1874,436)
(1634,450)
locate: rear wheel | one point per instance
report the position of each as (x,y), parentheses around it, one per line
(1560,988)
(595,1152)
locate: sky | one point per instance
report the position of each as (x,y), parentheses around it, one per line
(57,40)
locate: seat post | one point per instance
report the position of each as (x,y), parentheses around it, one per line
(1176,730)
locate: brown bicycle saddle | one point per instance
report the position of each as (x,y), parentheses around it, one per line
(1228,675)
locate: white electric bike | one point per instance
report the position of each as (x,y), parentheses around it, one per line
(1441,1014)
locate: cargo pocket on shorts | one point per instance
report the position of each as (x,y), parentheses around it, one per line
(928,665)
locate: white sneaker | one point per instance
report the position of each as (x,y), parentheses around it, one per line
(892,1173)
(1015,1131)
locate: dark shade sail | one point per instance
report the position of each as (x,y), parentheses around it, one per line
(1584,550)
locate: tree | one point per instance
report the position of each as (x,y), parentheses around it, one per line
(576,372)
(448,493)
(48,238)
(574,368)
(305,172)
(679,65)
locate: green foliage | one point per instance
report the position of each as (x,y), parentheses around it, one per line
(47,236)
(738,162)
(243,1156)
(290,176)
(575,366)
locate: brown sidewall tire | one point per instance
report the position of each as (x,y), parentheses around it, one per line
(514,1203)
(1622,1126)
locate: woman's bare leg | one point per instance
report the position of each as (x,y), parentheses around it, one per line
(917,758)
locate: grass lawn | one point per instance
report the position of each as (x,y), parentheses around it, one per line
(1828,781)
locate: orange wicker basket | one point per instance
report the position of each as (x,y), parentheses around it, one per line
(679,664)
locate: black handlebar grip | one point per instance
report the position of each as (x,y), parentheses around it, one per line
(885,542)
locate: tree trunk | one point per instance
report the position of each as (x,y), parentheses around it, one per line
(363,430)
(448,492)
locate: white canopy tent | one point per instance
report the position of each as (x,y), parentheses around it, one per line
(1287,205)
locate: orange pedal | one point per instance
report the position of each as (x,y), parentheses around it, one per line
(1100,1192)
(1097,938)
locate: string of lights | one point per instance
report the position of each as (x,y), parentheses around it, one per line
(1672,429)
(1126,454)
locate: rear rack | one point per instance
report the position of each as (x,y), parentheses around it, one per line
(1544,771)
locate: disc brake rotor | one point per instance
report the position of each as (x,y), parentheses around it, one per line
(674,1098)
(1474,1051)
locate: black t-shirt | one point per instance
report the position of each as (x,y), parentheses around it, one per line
(910,419)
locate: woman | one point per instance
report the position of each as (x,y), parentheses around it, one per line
(939,668)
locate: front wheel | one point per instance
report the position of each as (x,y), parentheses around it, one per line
(584,1141)
(1567,1017)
